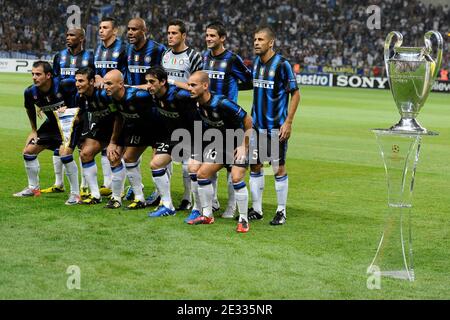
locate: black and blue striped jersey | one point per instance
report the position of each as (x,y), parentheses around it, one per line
(273,81)
(99,104)
(96,110)
(227,74)
(139,61)
(221,113)
(47,102)
(65,64)
(176,108)
(113,57)
(137,107)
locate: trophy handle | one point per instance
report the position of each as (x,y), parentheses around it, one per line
(440,44)
(387,45)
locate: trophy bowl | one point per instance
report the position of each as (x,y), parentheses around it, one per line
(411,73)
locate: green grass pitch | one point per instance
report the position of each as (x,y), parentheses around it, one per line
(336,211)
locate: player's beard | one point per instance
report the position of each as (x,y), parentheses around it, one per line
(193,96)
(261,52)
(72,46)
(214,47)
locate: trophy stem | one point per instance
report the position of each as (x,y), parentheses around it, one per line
(394,256)
(400,153)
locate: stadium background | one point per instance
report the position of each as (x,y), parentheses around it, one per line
(337,195)
(314,34)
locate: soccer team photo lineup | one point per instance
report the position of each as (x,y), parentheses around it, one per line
(262,118)
(119,100)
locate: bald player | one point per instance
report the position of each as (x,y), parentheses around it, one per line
(65,64)
(221,114)
(142,53)
(134,131)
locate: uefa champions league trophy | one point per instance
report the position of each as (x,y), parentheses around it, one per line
(411,73)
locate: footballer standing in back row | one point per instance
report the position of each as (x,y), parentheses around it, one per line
(109,55)
(272,114)
(180,62)
(228,75)
(142,54)
(65,64)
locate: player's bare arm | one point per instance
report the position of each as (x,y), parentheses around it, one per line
(31,112)
(286,128)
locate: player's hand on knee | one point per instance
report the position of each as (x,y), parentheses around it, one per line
(31,139)
(240,154)
(113,152)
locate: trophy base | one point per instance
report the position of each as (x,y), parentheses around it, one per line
(409,125)
(399,274)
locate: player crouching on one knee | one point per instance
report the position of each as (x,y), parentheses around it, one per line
(219,113)
(46,94)
(175,111)
(97,129)
(134,130)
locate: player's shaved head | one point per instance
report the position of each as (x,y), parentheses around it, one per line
(113,84)
(198,85)
(114,75)
(136,32)
(200,76)
(138,23)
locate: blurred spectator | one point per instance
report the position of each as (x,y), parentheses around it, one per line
(313,33)
(443,75)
